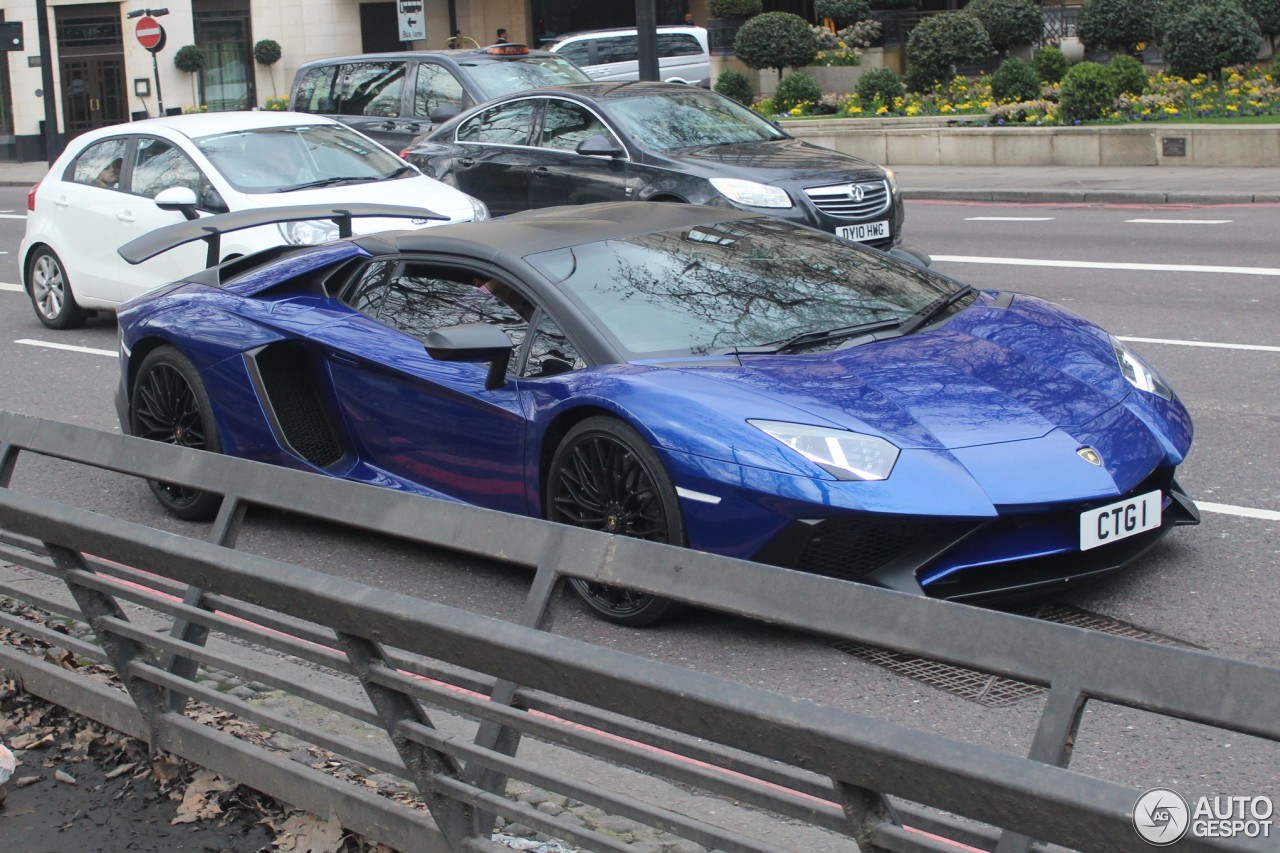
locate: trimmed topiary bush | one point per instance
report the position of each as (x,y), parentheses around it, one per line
(1086,93)
(1009,23)
(267,51)
(1117,24)
(795,89)
(1050,64)
(189,59)
(776,40)
(734,84)
(845,13)
(734,8)
(939,43)
(1209,36)
(879,85)
(1127,75)
(1015,80)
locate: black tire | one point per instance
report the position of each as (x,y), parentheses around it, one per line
(604,476)
(169,403)
(50,291)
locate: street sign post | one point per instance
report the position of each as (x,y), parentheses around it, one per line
(149,33)
(413,23)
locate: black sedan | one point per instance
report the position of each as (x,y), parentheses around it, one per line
(592,142)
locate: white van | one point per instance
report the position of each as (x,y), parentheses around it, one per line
(614,54)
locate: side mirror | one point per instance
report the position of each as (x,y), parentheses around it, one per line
(181,199)
(442,114)
(600,145)
(912,255)
(474,342)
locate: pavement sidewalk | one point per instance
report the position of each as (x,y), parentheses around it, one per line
(1030,184)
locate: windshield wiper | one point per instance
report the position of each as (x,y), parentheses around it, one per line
(817,336)
(931,311)
(327,182)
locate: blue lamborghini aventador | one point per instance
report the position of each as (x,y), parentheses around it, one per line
(699,376)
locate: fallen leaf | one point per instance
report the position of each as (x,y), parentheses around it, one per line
(121,770)
(24,781)
(31,740)
(304,833)
(200,800)
(64,777)
(166,769)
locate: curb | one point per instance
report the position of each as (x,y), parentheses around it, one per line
(1086,196)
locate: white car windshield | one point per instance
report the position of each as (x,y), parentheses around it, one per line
(692,119)
(282,159)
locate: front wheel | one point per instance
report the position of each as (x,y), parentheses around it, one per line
(604,476)
(169,404)
(51,294)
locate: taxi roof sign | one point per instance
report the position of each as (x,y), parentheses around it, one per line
(505,50)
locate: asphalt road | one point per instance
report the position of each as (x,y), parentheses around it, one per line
(1202,302)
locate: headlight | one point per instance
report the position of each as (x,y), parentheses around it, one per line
(479,212)
(310,232)
(893,181)
(1140,374)
(847,455)
(750,193)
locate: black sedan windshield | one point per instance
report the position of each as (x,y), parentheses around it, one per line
(735,286)
(689,119)
(279,159)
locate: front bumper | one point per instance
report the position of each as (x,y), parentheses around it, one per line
(1014,555)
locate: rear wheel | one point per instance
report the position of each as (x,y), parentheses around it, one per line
(169,404)
(51,294)
(604,476)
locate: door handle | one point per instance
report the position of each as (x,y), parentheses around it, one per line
(541,172)
(125,216)
(466,162)
(62,201)
(388,125)
(343,358)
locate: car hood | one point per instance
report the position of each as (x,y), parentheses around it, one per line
(416,191)
(785,161)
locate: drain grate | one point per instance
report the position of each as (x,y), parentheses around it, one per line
(995,691)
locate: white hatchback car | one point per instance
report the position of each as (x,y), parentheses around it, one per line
(107,187)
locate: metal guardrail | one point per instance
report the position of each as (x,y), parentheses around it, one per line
(503,695)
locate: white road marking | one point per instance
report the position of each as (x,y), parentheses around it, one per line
(1208,344)
(13,216)
(1242,511)
(1102,265)
(1008,219)
(4,285)
(1181,221)
(67,347)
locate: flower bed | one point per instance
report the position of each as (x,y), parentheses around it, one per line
(1244,91)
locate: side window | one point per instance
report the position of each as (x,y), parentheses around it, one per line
(617,49)
(565,125)
(508,124)
(421,298)
(368,290)
(578,52)
(368,89)
(99,165)
(157,166)
(678,44)
(313,91)
(436,88)
(550,352)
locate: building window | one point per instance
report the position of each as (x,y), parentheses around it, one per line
(222,31)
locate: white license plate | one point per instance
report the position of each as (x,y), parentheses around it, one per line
(864,232)
(1119,520)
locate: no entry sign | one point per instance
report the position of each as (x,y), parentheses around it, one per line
(149,32)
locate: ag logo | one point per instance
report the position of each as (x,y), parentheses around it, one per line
(1161,817)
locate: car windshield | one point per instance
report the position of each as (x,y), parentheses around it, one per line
(497,78)
(280,159)
(689,119)
(736,286)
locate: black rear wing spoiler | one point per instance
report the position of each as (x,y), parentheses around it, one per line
(211,228)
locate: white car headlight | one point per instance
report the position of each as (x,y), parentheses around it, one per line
(310,232)
(847,455)
(1140,374)
(750,193)
(479,212)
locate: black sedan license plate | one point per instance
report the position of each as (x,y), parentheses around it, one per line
(1119,520)
(864,232)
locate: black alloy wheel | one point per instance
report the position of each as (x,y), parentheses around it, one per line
(169,404)
(604,476)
